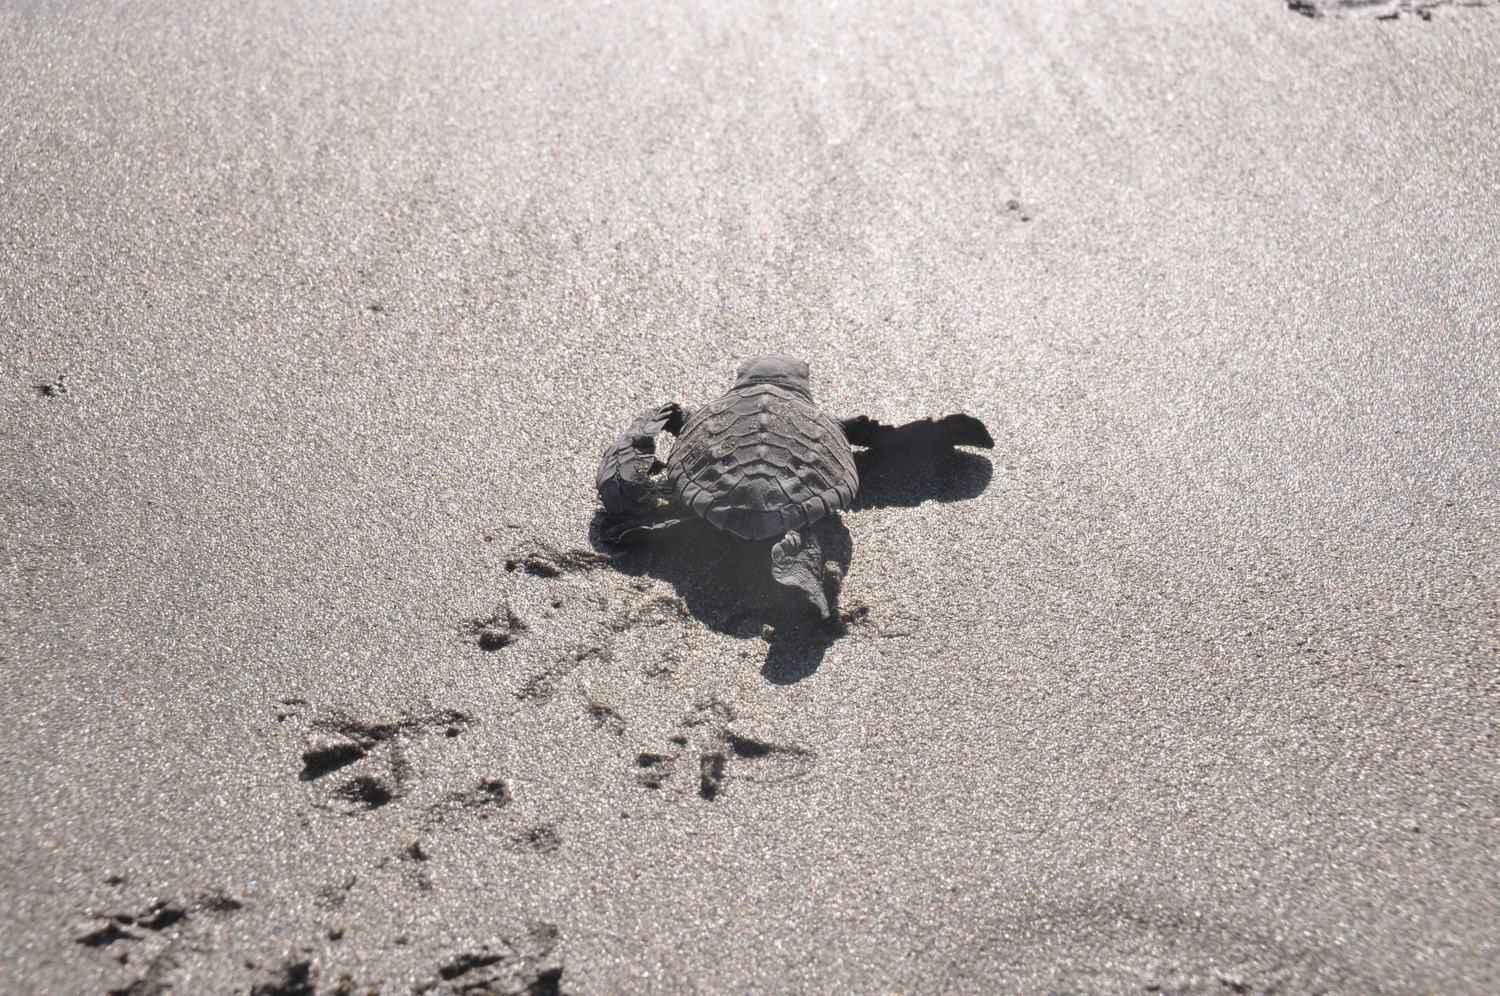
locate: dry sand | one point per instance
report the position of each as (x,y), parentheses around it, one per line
(314,316)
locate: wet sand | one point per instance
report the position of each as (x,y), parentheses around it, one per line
(316,321)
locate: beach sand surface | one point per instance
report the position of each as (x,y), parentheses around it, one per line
(315,321)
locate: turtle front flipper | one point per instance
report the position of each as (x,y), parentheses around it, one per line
(797,562)
(923,434)
(625,485)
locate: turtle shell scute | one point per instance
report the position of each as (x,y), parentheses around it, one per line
(760,461)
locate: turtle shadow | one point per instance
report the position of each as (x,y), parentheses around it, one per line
(726,583)
(906,477)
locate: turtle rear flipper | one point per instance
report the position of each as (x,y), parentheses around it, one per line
(629,494)
(629,530)
(927,433)
(797,562)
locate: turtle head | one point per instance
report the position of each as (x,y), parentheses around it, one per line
(783,371)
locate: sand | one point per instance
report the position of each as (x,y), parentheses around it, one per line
(316,317)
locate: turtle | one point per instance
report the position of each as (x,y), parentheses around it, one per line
(761,462)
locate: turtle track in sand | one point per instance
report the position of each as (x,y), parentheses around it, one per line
(1381,10)
(371,753)
(712,753)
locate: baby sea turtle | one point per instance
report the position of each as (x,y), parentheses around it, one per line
(760,462)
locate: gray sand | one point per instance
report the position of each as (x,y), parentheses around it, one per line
(312,319)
